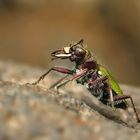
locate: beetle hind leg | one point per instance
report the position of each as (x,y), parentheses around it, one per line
(124,97)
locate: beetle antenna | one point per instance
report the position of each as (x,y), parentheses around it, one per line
(80,42)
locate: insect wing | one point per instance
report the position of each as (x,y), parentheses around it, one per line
(114,85)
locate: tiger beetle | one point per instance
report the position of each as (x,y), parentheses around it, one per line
(97,79)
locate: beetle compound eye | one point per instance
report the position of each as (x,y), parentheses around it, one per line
(72,49)
(80,52)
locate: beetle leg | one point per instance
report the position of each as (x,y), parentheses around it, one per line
(58,69)
(109,90)
(101,79)
(59,81)
(62,84)
(76,76)
(123,97)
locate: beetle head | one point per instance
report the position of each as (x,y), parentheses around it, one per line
(75,52)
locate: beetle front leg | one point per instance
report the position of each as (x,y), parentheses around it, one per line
(76,76)
(58,69)
(62,84)
(59,81)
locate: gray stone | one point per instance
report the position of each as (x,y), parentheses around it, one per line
(35,113)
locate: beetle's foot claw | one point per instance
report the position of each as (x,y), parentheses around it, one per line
(112,106)
(57,90)
(28,84)
(34,83)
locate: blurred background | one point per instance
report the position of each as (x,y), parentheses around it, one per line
(31,29)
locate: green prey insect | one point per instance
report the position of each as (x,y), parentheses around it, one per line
(97,79)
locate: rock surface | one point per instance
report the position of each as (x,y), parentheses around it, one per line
(36,113)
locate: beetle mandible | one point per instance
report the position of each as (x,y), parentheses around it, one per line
(97,79)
